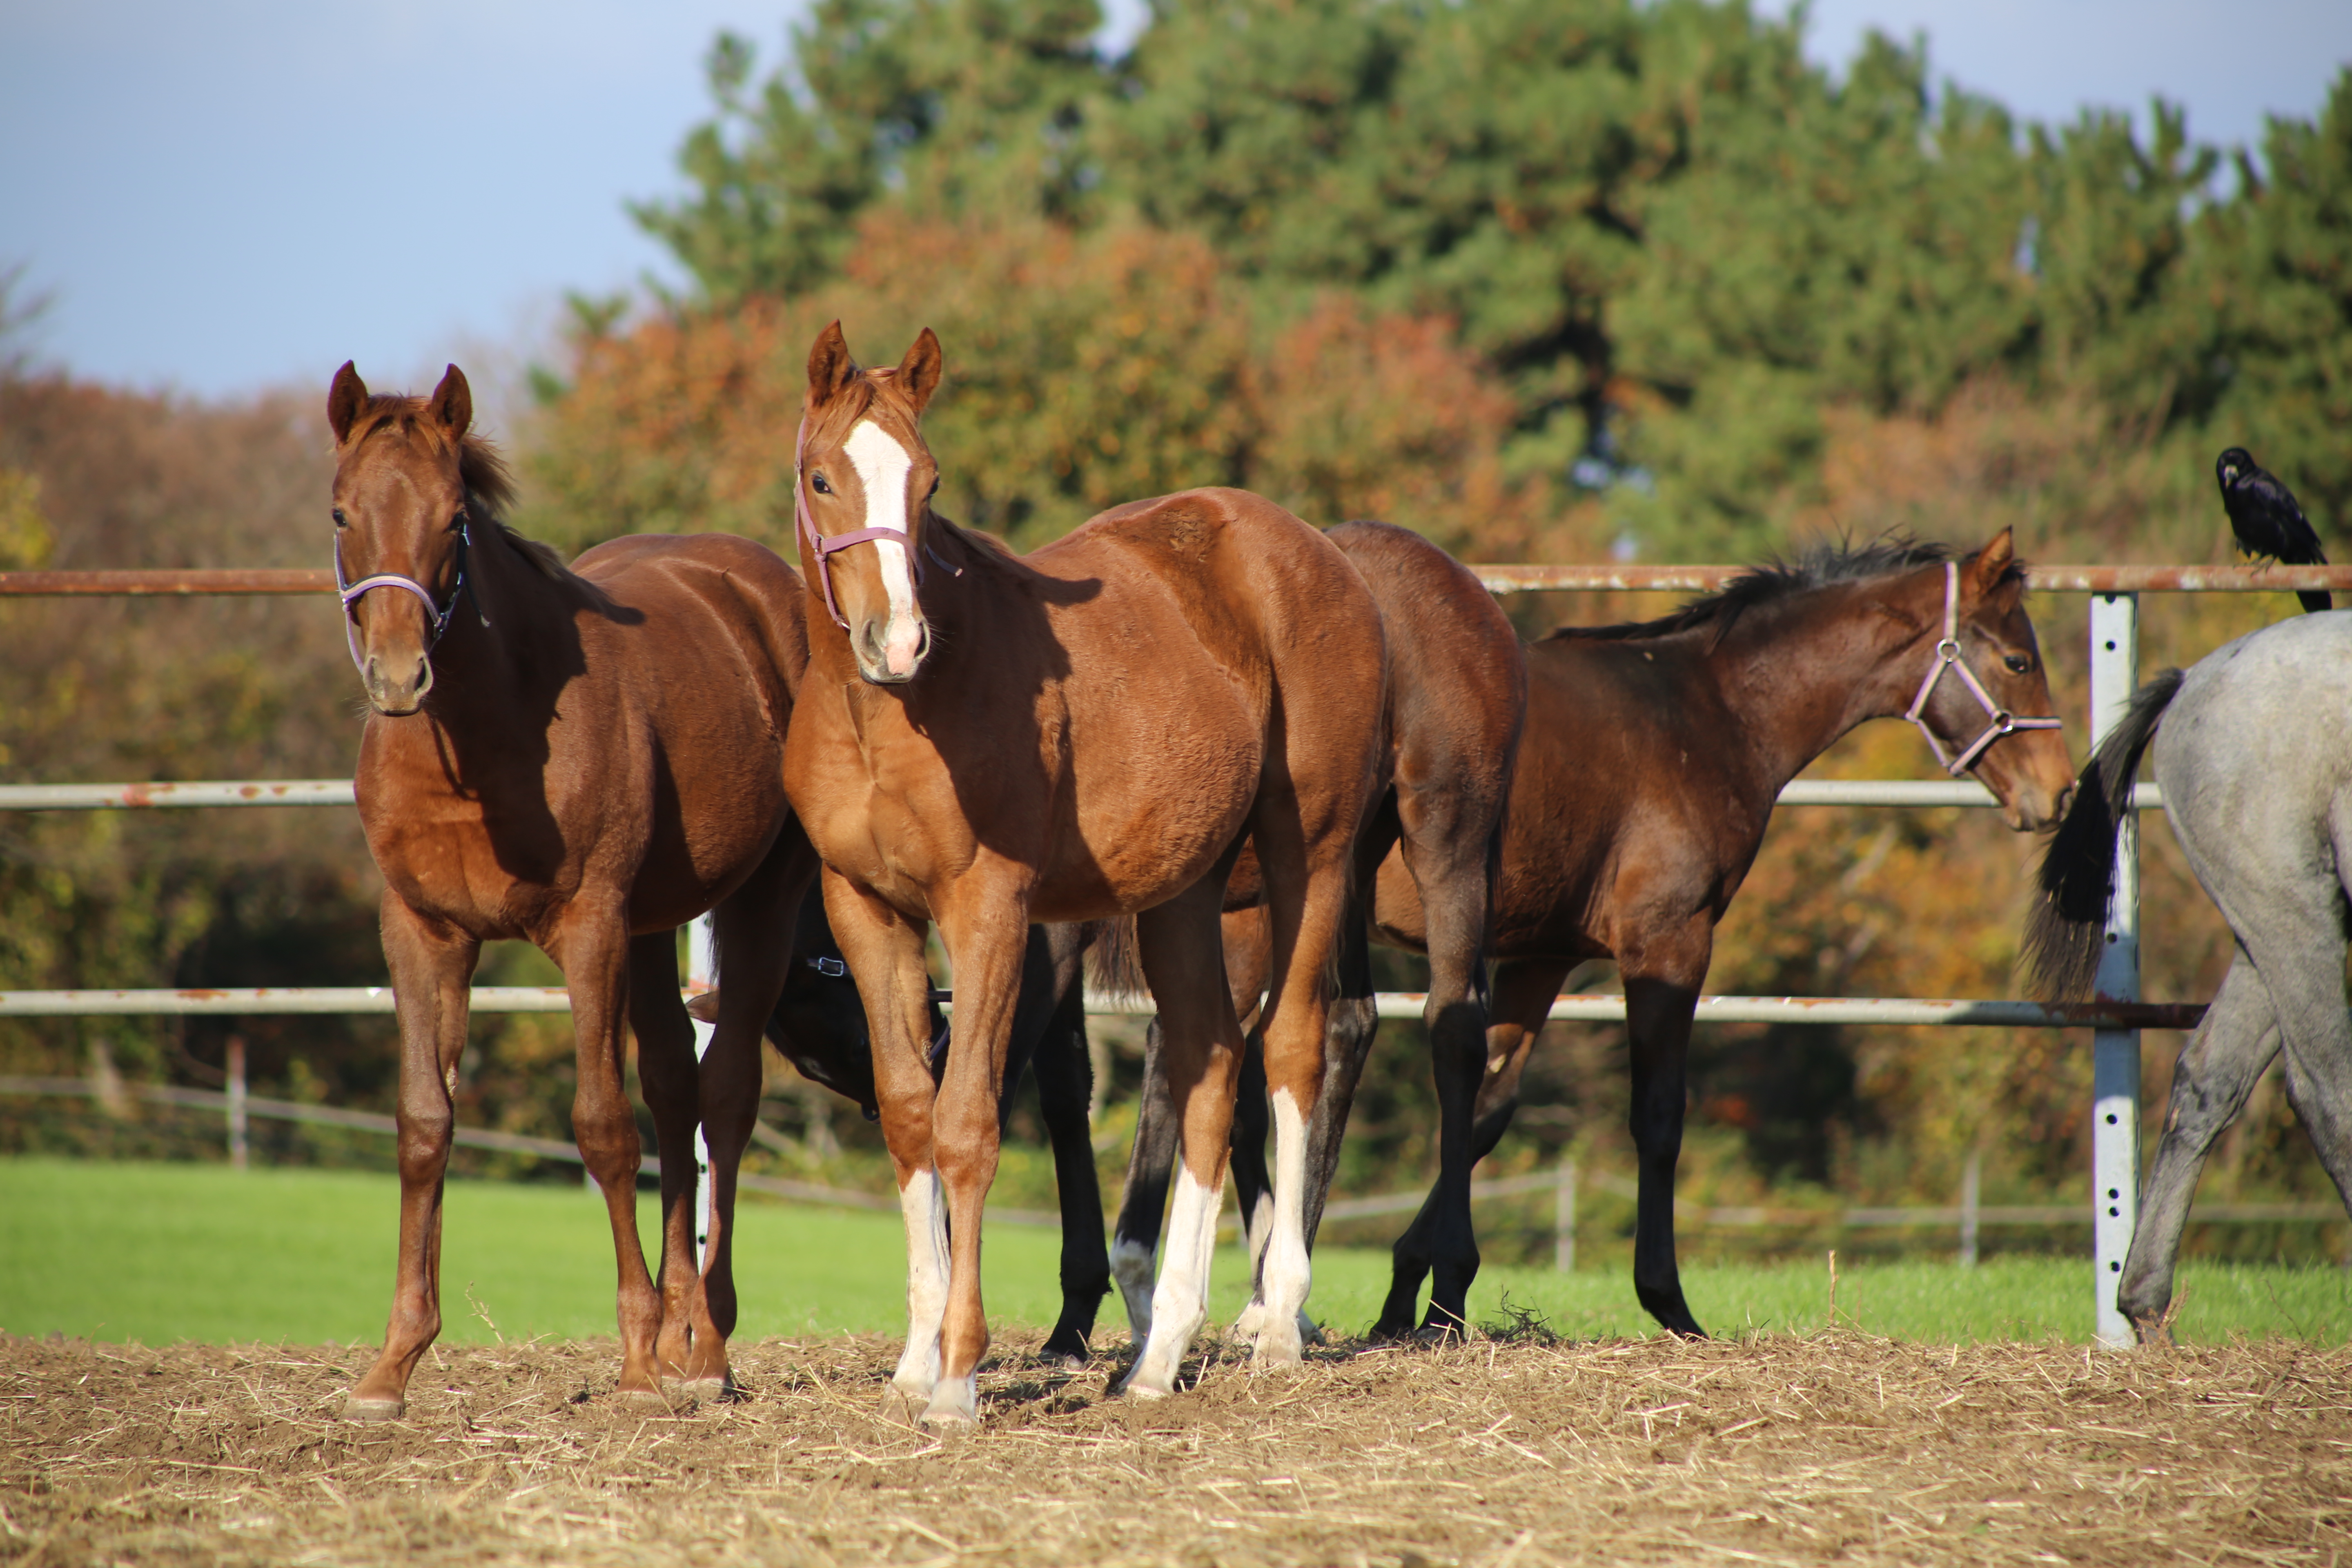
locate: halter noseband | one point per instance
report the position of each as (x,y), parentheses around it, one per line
(436,615)
(817,546)
(1947,658)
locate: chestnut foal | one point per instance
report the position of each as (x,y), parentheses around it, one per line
(986,740)
(587,758)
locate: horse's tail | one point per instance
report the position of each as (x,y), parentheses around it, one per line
(1114,961)
(2063,931)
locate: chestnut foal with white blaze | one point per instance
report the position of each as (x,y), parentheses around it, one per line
(987,739)
(586,758)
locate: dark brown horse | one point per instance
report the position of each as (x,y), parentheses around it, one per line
(1653,756)
(985,739)
(1457,698)
(585,759)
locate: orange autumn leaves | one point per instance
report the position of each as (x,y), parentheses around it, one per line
(1082,371)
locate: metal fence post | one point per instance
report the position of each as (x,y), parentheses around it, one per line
(1563,1215)
(237,1144)
(701,974)
(1971,1178)
(2114,1061)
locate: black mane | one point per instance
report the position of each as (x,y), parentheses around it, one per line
(1816,567)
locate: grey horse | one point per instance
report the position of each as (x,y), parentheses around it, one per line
(2254,757)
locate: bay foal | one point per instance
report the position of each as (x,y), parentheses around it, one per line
(586,758)
(1645,781)
(987,739)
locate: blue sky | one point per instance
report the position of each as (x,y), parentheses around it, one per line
(242,192)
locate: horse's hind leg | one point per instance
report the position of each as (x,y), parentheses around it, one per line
(431,965)
(1200,1056)
(752,930)
(1157,1131)
(1064,1087)
(1524,990)
(1151,1162)
(668,1074)
(2217,1068)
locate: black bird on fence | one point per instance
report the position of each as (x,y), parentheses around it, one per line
(2266,519)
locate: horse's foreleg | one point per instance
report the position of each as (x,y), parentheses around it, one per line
(1199,1055)
(1065,1088)
(668,1074)
(752,930)
(2217,1071)
(1455,898)
(431,965)
(594,951)
(885,954)
(986,932)
(1658,1010)
(1523,993)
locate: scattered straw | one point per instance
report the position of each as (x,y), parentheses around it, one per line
(1515,1448)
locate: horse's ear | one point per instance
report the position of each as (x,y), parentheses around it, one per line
(453,402)
(830,367)
(1992,563)
(345,398)
(918,372)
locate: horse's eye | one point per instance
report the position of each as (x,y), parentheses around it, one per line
(2018,663)
(341,520)
(817,483)
(934,490)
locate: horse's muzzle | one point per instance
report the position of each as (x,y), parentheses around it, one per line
(396,696)
(890,650)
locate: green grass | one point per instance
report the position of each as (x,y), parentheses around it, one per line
(162,1253)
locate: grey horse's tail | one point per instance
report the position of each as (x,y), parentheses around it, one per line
(2065,930)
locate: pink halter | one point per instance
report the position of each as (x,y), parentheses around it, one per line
(1947,658)
(816,546)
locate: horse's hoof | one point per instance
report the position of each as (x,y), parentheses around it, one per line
(903,1406)
(1252,1323)
(954,1406)
(1140,1388)
(373,1411)
(1278,1346)
(707,1390)
(1310,1333)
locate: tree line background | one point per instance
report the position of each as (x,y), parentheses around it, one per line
(1546,279)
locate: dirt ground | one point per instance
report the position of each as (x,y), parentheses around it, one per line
(1518,1450)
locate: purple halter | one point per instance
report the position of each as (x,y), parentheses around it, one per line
(817,546)
(1947,658)
(436,615)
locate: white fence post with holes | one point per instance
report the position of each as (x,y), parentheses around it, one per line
(701,974)
(2115,1053)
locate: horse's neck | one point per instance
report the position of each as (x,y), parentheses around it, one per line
(1801,672)
(504,625)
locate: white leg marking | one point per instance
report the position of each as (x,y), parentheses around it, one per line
(1258,1224)
(1287,1273)
(1181,1304)
(882,467)
(1130,1265)
(926,1213)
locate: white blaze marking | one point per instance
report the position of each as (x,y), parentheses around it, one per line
(1181,1304)
(1287,1273)
(926,1213)
(882,467)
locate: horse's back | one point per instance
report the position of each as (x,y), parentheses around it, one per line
(2253,760)
(720,580)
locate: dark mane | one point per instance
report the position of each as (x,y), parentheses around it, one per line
(1816,567)
(489,485)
